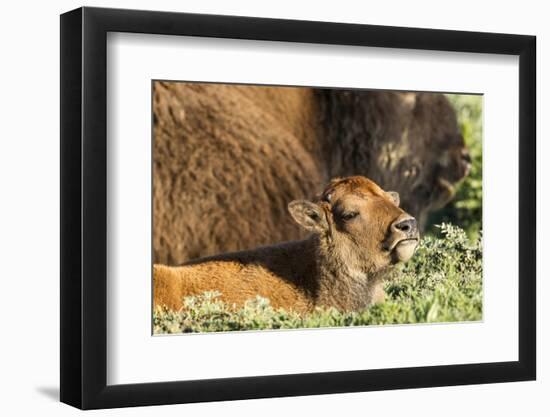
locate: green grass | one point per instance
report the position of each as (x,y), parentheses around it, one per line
(442,283)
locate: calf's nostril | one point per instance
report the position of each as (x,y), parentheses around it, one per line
(406,225)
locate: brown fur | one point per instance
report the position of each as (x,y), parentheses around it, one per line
(227,159)
(342,264)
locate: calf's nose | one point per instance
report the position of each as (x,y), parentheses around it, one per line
(407,225)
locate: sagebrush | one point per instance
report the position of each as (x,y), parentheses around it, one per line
(442,283)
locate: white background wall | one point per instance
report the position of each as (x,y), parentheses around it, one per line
(29,209)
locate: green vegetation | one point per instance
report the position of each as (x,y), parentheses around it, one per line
(441,283)
(466,208)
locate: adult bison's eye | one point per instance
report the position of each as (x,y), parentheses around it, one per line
(350,215)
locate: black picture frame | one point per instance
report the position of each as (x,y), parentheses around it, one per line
(84,207)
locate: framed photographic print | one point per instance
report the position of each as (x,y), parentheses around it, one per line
(258,207)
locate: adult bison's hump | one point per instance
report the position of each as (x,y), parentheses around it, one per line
(225,168)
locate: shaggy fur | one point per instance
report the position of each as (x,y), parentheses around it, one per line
(228,158)
(357,233)
(408,142)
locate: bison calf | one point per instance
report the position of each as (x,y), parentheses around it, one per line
(357,232)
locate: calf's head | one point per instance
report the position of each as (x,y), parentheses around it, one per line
(359,225)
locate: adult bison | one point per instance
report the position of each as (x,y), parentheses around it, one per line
(228,158)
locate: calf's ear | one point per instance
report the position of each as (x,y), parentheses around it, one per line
(394,196)
(308,215)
